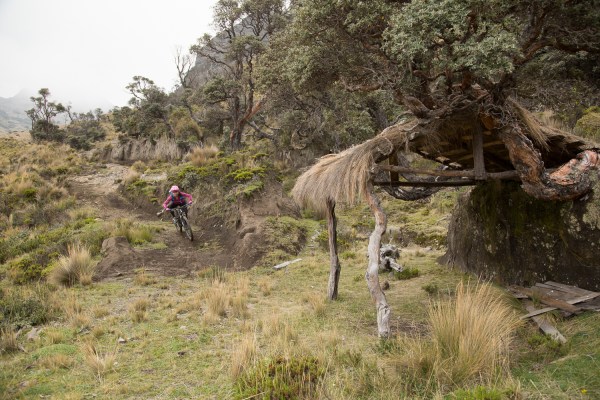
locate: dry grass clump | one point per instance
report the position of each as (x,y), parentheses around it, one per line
(142,278)
(217,299)
(131,176)
(138,310)
(135,233)
(56,361)
(99,363)
(470,339)
(138,166)
(200,156)
(55,336)
(243,355)
(100,312)
(8,340)
(266,286)
(317,303)
(76,267)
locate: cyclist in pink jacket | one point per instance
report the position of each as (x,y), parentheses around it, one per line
(177,199)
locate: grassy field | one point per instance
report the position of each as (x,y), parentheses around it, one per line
(263,333)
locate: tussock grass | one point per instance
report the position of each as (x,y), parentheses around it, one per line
(469,341)
(266,286)
(131,176)
(217,300)
(99,363)
(55,336)
(76,267)
(100,311)
(142,278)
(316,302)
(8,340)
(138,310)
(200,156)
(135,233)
(243,355)
(56,361)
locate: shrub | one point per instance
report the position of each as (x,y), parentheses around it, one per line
(19,307)
(281,378)
(76,267)
(406,273)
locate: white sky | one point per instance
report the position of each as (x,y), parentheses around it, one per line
(87,51)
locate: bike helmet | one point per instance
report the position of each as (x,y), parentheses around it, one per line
(174,188)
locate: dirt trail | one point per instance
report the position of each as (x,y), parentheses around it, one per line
(100,191)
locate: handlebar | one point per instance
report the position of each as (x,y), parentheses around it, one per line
(161,212)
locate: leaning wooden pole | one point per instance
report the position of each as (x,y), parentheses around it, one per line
(372,277)
(335,268)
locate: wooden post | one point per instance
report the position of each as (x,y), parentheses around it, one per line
(334,271)
(478,161)
(383,309)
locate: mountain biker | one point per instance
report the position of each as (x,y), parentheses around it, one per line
(177,198)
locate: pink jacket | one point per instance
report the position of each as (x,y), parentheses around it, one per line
(171,201)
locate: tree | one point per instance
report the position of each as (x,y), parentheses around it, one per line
(42,114)
(244,27)
(453,64)
(149,112)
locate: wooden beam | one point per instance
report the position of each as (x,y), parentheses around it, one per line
(429,184)
(449,173)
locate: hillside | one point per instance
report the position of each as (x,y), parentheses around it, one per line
(12,113)
(161,306)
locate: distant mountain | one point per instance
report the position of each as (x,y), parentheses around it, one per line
(12,113)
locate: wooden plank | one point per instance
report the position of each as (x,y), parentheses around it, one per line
(285,264)
(548,300)
(544,325)
(572,301)
(573,289)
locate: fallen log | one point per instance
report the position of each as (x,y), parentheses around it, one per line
(285,264)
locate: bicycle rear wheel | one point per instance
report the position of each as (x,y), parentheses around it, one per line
(187,228)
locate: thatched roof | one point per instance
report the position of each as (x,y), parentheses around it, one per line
(344,177)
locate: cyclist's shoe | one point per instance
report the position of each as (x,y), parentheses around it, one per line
(175,221)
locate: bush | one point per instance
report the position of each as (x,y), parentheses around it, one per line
(406,273)
(19,308)
(281,378)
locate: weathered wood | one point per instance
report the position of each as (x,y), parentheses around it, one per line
(573,301)
(568,288)
(371,276)
(429,184)
(285,264)
(544,325)
(449,173)
(549,301)
(334,269)
(393,160)
(478,161)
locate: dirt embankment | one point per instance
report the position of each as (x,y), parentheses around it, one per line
(236,243)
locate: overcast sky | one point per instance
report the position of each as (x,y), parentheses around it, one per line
(87,51)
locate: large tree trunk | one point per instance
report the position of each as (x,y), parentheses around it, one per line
(334,272)
(372,277)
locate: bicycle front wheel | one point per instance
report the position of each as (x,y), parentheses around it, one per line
(187,229)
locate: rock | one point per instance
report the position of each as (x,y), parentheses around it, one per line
(385,286)
(34,333)
(118,255)
(121,340)
(499,232)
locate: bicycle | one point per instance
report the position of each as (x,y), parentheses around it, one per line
(180,220)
